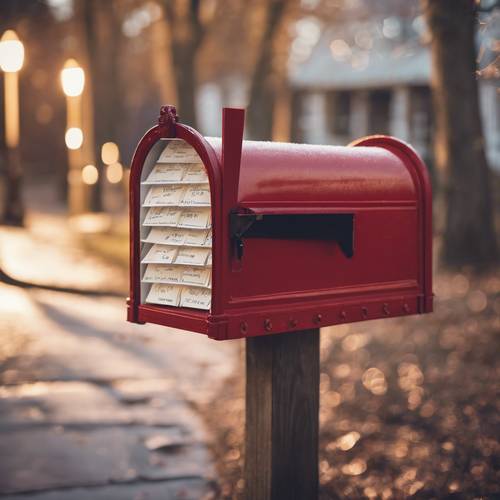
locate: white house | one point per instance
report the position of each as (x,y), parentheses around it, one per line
(373,77)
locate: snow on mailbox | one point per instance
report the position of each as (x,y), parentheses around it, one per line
(235,238)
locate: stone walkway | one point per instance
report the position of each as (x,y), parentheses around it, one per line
(92,407)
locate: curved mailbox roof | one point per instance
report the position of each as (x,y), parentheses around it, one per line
(288,174)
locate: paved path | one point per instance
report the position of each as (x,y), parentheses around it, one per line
(92,407)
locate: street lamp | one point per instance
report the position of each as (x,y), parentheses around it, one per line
(90,175)
(73,138)
(110,156)
(11,61)
(72,78)
(73,83)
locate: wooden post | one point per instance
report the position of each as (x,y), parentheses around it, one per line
(282,405)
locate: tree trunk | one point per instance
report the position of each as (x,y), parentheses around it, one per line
(183,58)
(469,237)
(186,35)
(260,115)
(103,37)
(11,172)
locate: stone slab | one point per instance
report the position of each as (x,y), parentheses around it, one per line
(188,489)
(57,457)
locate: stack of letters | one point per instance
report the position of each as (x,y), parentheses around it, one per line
(177,247)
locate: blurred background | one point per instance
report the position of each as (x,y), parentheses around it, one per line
(409,406)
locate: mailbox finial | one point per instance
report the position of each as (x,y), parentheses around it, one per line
(168,118)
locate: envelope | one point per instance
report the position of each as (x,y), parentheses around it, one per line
(196,173)
(208,241)
(199,276)
(162,216)
(160,254)
(195,218)
(192,256)
(165,173)
(164,196)
(178,151)
(197,237)
(196,195)
(160,273)
(167,295)
(178,236)
(166,235)
(198,298)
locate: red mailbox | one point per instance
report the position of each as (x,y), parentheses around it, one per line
(235,238)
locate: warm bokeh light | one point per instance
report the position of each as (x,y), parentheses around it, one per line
(90,174)
(114,173)
(72,78)
(110,153)
(11,52)
(74,138)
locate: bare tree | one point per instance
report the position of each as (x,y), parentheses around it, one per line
(102,27)
(263,88)
(186,35)
(460,151)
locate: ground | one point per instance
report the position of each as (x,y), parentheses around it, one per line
(409,407)
(92,406)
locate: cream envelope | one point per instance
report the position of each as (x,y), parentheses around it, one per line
(197,237)
(167,235)
(209,259)
(160,254)
(162,196)
(196,195)
(199,298)
(166,173)
(192,256)
(195,218)
(178,236)
(178,151)
(208,241)
(160,273)
(196,173)
(199,276)
(167,295)
(162,216)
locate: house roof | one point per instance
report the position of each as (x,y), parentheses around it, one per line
(386,64)
(338,62)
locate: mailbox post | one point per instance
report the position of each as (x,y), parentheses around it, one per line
(281,426)
(269,242)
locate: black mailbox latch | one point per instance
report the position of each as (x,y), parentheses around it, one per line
(327,227)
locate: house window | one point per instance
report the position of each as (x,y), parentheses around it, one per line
(379,112)
(339,112)
(421,119)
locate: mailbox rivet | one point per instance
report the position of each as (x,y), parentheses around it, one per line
(318,318)
(364,311)
(243,327)
(385,308)
(343,314)
(268,325)
(406,308)
(293,323)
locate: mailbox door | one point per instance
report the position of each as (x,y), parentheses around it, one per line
(175,186)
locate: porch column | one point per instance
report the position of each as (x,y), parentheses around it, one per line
(400,113)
